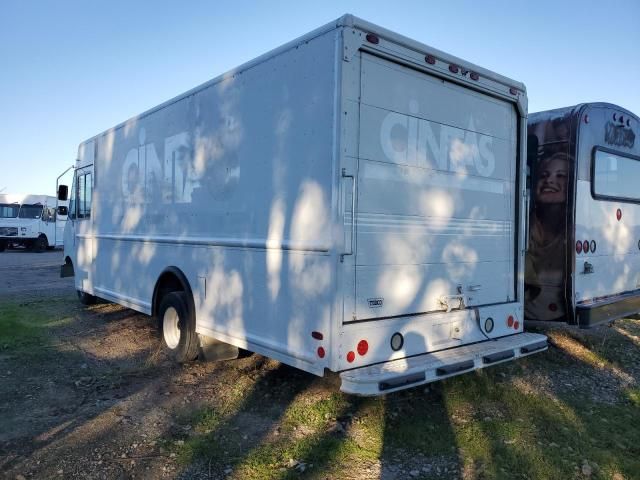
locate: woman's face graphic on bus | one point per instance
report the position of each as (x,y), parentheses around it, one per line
(552,180)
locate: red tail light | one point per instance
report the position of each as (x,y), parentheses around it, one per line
(510,321)
(585,246)
(363,347)
(513,91)
(618,214)
(578,247)
(516,325)
(474,76)
(453,68)
(430,59)
(321,352)
(351,357)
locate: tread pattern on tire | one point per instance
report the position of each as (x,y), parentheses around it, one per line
(188,346)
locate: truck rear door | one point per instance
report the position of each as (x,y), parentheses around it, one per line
(436,187)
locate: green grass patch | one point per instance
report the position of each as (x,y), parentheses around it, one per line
(24,326)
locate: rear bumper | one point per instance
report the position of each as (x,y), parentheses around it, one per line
(429,367)
(607,310)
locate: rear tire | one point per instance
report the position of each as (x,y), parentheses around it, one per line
(178,327)
(41,244)
(85,298)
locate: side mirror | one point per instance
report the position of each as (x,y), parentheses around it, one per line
(63,192)
(62,210)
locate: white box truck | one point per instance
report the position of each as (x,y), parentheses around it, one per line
(31,221)
(351,201)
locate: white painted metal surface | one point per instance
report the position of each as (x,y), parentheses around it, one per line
(250,184)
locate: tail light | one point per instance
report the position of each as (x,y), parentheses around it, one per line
(592,246)
(363,347)
(618,214)
(430,59)
(351,357)
(585,246)
(578,247)
(510,321)
(474,76)
(454,68)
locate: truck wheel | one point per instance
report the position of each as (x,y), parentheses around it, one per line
(3,246)
(178,327)
(40,244)
(85,298)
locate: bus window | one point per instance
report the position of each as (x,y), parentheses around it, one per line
(615,176)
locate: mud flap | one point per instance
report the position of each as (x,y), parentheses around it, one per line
(212,350)
(409,372)
(66,270)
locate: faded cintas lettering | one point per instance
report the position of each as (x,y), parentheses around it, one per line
(618,135)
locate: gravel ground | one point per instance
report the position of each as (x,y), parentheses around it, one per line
(26,273)
(97,398)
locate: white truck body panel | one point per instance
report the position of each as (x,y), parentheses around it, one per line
(21,230)
(249,185)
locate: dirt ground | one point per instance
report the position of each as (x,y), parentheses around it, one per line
(94,397)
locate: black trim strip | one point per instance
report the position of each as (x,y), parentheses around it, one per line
(402,381)
(496,357)
(534,347)
(455,368)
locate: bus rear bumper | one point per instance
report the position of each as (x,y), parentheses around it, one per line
(593,313)
(409,372)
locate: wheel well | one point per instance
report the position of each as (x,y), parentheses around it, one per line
(171,280)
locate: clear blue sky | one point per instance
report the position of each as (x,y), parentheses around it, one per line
(72,69)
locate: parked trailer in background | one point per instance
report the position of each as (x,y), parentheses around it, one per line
(350,201)
(31,221)
(583,260)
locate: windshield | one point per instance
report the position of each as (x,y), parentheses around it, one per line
(9,210)
(30,211)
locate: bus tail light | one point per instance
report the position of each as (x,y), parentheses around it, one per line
(578,247)
(592,246)
(618,214)
(585,246)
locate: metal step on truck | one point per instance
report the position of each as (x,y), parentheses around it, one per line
(353,201)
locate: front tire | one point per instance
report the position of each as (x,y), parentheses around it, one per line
(41,244)
(178,327)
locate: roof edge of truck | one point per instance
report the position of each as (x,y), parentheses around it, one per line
(577,108)
(346,20)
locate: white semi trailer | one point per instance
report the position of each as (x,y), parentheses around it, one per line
(352,201)
(31,221)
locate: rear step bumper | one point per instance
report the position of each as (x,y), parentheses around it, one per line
(409,372)
(606,310)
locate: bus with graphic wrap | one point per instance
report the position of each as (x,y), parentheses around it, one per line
(350,201)
(583,256)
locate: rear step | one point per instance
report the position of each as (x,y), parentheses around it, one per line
(409,372)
